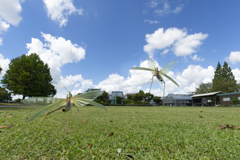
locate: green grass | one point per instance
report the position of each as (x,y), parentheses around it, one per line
(154,133)
(11,104)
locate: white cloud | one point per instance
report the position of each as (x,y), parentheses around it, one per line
(151,21)
(181,43)
(164,10)
(153,4)
(4,65)
(187,45)
(3,28)
(160,39)
(236,73)
(59,10)
(9,14)
(165,51)
(10,10)
(56,52)
(196,58)
(178,9)
(188,79)
(234,57)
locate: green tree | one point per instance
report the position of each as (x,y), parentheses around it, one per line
(224,79)
(103,98)
(157,99)
(0,69)
(119,99)
(5,96)
(29,76)
(217,80)
(149,97)
(235,101)
(204,88)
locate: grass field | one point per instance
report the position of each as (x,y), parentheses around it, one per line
(154,133)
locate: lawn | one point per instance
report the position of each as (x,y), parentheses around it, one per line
(140,133)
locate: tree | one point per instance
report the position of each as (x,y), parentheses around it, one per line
(149,97)
(29,76)
(103,98)
(157,99)
(0,69)
(224,79)
(235,101)
(204,88)
(5,96)
(119,99)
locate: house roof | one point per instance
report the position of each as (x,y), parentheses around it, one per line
(180,96)
(206,94)
(228,93)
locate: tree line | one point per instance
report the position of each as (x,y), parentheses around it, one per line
(139,98)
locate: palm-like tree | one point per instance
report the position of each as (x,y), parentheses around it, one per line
(157,73)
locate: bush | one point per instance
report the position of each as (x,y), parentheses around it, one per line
(18,100)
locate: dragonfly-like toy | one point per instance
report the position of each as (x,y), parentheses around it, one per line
(159,73)
(55,104)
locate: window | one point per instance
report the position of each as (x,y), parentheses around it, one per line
(226,99)
(239,98)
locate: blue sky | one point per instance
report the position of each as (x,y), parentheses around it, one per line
(94,43)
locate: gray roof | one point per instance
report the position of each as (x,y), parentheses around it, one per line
(205,94)
(180,96)
(224,94)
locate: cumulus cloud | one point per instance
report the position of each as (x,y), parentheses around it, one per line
(187,45)
(160,39)
(3,28)
(10,10)
(9,14)
(236,73)
(4,65)
(151,21)
(176,39)
(132,84)
(59,10)
(188,79)
(56,51)
(234,57)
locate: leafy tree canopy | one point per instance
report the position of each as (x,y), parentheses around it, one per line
(5,96)
(224,79)
(157,99)
(103,98)
(29,76)
(204,88)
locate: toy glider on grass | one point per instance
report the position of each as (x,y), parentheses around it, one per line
(157,73)
(55,104)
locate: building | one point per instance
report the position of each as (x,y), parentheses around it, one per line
(205,99)
(178,100)
(128,94)
(116,93)
(226,98)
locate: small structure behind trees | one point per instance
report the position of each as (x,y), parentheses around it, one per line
(178,100)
